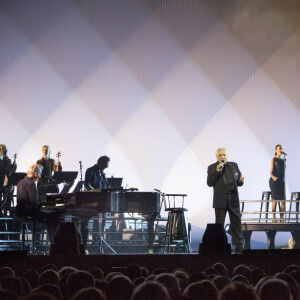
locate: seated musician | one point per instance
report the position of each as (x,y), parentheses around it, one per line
(94,176)
(46,183)
(96,179)
(28,203)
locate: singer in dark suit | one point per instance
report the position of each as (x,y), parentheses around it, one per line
(225,177)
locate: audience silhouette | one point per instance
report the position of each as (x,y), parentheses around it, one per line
(134,283)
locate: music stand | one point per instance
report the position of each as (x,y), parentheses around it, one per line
(14,178)
(115,182)
(72,187)
(64,176)
(78,187)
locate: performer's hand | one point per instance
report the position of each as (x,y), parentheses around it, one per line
(241,178)
(274,178)
(219,166)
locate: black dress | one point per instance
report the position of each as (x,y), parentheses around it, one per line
(278,187)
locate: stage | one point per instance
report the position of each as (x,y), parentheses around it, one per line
(271,261)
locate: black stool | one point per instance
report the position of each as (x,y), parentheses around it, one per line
(266,196)
(296,197)
(177,239)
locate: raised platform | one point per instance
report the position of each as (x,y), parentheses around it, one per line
(271,261)
(271,229)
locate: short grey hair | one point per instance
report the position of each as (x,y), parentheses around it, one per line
(220,149)
(33,168)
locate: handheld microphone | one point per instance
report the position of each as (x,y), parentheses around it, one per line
(283,153)
(221,169)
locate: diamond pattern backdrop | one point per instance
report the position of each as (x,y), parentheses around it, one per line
(157,86)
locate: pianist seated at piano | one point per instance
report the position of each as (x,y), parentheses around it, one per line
(28,203)
(95,179)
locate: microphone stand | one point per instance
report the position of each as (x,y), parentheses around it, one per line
(80,167)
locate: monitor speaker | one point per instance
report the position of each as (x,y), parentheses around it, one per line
(214,241)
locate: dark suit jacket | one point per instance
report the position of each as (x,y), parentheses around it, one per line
(215,180)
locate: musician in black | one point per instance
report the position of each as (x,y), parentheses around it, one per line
(46,184)
(12,167)
(3,174)
(3,169)
(28,203)
(95,177)
(6,169)
(277,181)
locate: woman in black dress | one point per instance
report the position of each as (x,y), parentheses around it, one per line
(277,181)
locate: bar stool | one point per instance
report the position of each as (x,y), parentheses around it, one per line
(266,196)
(294,196)
(177,239)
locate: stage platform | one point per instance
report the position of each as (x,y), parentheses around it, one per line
(271,261)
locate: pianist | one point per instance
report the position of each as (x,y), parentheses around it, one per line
(28,204)
(95,179)
(94,176)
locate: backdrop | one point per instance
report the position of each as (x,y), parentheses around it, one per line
(157,85)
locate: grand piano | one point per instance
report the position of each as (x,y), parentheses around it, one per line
(87,204)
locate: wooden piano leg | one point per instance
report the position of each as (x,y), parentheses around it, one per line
(271,238)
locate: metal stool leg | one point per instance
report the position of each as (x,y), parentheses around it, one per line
(23,235)
(177,220)
(33,236)
(290,209)
(168,236)
(186,243)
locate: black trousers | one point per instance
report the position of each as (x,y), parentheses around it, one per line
(234,212)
